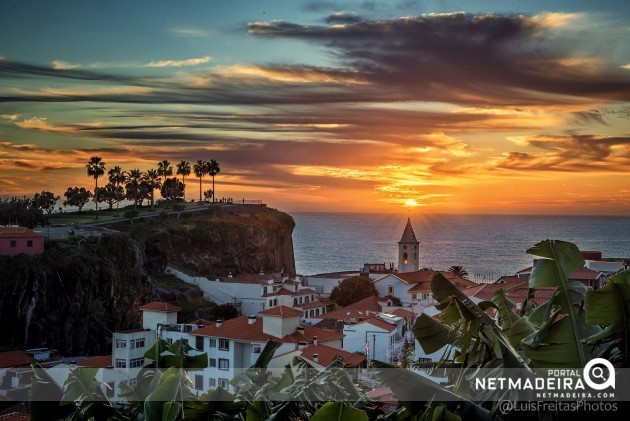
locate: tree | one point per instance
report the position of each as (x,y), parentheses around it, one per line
(152,180)
(22,212)
(353,289)
(172,189)
(200,170)
(95,169)
(212,168)
(111,194)
(117,177)
(165,169)
(207,195)
(45,201)
(132,187)
(77,196)
(459,271)
(183,169)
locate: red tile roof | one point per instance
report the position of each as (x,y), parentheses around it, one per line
(425,276)
(282,311)
(159,306)
(18,232)
(15,359)
(96,362)
(237,328)
(360,310)
(583,274)
(401,312)
(375,321)
(313,304)
(327,354)
(310,332)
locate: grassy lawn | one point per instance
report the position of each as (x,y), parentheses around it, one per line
(89,216)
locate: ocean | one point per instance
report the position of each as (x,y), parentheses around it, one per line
(488,246)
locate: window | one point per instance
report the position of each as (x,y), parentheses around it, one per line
(390,289)
(169,341)
(414,296)
(198,382)
(312,313)
(213,343)
(306,299)
(224,344)
(425,295)
(213,382)
(199,343)
(405,258)
(415,257)
(405,247)
(295,302)
(121,343)
(120,363)
(212,362)
(256,349)
(29,243)
(317,312)
(264,290)
(224,383)
(224,364)
(13,243)
(300,300)
(270,303)
(312,297)
(136,362)
(136,343)
(275,302)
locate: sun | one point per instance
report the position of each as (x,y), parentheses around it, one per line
(411,202)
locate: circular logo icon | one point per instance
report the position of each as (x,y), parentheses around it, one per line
(605,377)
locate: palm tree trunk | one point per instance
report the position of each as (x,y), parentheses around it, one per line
(184,183)
(96,196)
(213,195)
(199,189)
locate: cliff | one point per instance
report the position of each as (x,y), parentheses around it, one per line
(80,290)
(73,295)
(217,243)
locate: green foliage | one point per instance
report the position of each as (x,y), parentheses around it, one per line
(24,212)
(77,196)
(353,289)
(339,411)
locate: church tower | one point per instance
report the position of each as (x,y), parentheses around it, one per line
(408,260)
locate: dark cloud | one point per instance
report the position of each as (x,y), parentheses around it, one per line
(320,5)
(342,18)
(457,57)
(574,153)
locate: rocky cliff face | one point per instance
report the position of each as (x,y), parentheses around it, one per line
(216,244)
(74,295)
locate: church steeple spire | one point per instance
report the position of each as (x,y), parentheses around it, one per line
(408,250)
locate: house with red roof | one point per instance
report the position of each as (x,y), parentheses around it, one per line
(17,240)
(234,345)
(379,337)
(414,288)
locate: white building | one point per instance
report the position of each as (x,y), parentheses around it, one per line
(324,283)
(235,344)
(379,337)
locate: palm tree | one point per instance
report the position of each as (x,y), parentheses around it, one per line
(213,169)
(152,179)
(183,169)
(165,169)
(459,271)
(133,178)
(117,177)
(95,168)
(200,169)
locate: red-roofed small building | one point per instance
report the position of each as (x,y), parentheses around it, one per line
(379,337)
(17,240)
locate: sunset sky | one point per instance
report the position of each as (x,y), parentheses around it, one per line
(476,107)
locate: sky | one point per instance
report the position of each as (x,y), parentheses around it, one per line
(494,106)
